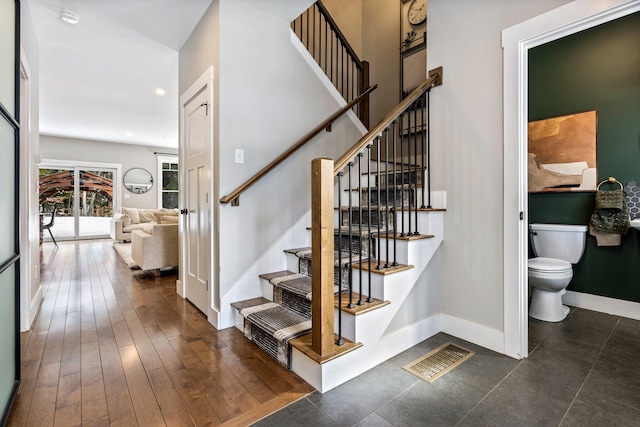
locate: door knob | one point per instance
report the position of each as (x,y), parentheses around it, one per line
(184,211)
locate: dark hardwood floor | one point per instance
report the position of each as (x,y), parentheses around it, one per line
(115,346)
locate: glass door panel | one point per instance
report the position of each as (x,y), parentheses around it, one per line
(7,53)
(96,202)
(7,200)
(56,191)
(8,333)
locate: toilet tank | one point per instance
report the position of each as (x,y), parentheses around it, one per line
(561,241)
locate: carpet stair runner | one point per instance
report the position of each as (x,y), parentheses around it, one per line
(272,322)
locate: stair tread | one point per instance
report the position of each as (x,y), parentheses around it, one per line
(398,187)
(306,254)
(239,305)
(390,235)
(303,344)
(359,309)
(269,276)
(383,271)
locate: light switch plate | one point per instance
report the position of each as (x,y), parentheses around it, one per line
(239,155)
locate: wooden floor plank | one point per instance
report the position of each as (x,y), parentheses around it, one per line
(142,396)
(172,407)
(115,346)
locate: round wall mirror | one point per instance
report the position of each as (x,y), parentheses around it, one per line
(138,180)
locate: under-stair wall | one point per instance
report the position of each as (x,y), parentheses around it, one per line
(268,96)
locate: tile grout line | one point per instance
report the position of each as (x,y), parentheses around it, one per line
(490,391)
(589,373)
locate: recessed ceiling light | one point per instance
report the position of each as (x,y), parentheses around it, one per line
(128,133)
(160,91)
(69,17)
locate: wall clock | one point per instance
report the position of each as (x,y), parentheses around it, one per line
(417,12)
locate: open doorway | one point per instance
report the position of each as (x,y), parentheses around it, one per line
(516,42)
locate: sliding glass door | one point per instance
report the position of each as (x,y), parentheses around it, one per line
(9,242)
(83,200)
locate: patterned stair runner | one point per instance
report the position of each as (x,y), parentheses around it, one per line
(271,326)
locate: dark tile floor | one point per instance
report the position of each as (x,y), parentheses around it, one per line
(583,371)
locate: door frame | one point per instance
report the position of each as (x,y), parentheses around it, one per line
(204,83)
(73,164)
(569,19)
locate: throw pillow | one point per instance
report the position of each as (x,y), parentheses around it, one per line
(158,217)
(133,214)
(148,228)
(168,219)
(126,220)
(147,215)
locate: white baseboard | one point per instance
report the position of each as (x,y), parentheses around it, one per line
(481,335)
(607,305)
(34,307)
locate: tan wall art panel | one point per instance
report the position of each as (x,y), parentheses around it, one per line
(562,153)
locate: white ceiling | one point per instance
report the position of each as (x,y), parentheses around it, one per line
(98,77)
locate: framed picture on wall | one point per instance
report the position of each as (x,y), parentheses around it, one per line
(414,69)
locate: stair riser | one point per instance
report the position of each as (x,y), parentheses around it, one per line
(408,177)
(305,268)
(403,197)
(368,217)
(354,244)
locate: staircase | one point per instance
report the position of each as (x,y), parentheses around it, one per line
(369,314)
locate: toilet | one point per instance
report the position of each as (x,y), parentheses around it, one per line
(556,247)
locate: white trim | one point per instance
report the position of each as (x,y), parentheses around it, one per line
(29,275)
(607,305)
(160,159)
(571,18)
(476,333)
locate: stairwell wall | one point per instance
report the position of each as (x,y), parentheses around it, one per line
(266,98)
(467,153)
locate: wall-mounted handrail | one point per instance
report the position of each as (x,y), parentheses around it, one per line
(234,196)
(435,79)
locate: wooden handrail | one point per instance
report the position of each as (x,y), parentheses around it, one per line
(434,79)
(339,34)
(234,196)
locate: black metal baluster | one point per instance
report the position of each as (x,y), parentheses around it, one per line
(360,156)
(370,245)
(378,206)
(409,167)
(307,44)
(428,107)
(402,140)
(415,143)
(386,195)
(339,341)
(326,45)
(392,211)
(349,237)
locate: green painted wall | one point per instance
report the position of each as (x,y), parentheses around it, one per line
(595,69)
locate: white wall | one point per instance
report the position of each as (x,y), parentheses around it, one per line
(267,97)
(128,155)
(466,121)
(31,292)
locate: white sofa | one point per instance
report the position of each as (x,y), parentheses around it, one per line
(130,219)
(155,247)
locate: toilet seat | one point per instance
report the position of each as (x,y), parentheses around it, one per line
(549,265)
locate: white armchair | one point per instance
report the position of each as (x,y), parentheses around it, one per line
(155,247)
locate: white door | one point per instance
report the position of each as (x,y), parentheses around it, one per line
(197,201)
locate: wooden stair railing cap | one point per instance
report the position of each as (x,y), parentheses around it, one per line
(234,196)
